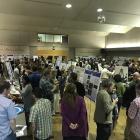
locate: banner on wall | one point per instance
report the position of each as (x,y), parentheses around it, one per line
(92,82)
(123,71)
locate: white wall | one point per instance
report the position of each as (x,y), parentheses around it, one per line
(87,52)
(86,41)
(130,39)
(20,42)
(14,50)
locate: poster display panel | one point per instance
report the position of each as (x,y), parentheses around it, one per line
(10,70)
(92,82)
(123,71)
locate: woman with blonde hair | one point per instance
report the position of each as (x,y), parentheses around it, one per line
(74,115)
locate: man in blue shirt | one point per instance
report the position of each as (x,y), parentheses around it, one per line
(35,77)
(7,113)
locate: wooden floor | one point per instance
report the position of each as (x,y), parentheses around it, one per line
(117,134)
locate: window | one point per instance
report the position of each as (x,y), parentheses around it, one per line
(49,38)
(41,37)
(57,38)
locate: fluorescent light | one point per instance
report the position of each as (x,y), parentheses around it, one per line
(68,5)
(99,10)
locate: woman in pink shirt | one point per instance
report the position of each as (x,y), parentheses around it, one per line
(134,115)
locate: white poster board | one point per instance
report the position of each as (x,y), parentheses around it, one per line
(72,63)
(95,80)
(58,61)
(63,66)
(80,72)
(10,70)
(123,71)
(100,67)
(92,82)
(35,57)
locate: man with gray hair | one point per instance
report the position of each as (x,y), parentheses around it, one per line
(103,110)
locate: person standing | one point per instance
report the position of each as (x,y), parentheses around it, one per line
(103,110)
(74,115)
(55,92)
(79,86)
(35,77)
(7,113)
(46,85)
(120,89)
(26,94)
(41,117)
(62,82)
(1,68)
(134,115)
(129,96)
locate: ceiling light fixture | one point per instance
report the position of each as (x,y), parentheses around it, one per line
(101,19)
(68,5)
(99,10)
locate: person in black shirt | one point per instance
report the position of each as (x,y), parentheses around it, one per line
(58,73)
(1,68)
(79,86)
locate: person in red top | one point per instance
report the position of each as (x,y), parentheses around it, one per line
(74,115)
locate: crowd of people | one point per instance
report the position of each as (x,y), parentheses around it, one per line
(44,87)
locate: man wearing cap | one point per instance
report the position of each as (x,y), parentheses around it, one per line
(129,96)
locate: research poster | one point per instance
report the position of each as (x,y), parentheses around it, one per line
(92,82)
(123,71)
(95,81)
(58,61)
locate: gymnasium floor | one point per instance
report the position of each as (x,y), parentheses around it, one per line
(118,133)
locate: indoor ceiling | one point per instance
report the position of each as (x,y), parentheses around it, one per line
(53,16)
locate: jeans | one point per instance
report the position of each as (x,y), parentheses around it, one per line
(74,138)
(12,136)
(103,131)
